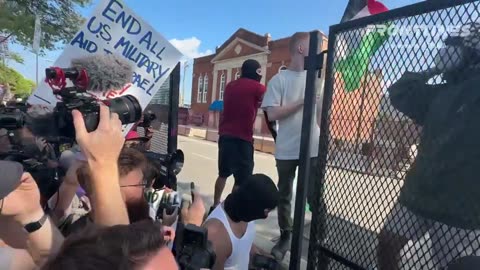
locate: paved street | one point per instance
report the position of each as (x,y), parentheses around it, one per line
(201,167)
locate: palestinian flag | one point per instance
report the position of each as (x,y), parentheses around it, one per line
(354,65)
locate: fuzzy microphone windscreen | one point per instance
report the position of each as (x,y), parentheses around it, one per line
(105,71)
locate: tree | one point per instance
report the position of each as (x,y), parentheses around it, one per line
(15,57)
(18,84)
(60,20)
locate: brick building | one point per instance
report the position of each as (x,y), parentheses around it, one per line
(213,72)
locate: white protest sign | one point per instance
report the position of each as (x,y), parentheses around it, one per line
(114,28)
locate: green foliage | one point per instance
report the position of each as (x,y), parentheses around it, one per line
(15,57)
(60,20)
(19,85)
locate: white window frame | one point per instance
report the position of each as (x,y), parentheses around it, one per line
(237,75)
(205,88)
(200,89)
(222,85)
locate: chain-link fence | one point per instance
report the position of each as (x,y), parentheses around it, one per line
(401,149)
(165,106)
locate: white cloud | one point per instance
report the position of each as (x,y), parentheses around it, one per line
(190,47)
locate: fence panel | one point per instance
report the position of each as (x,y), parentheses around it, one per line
(373,152)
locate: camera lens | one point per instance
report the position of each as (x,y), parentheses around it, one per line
(128,109)
(50,73)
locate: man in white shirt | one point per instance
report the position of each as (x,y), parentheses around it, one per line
(283,102)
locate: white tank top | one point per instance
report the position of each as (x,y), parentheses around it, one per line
(240,257)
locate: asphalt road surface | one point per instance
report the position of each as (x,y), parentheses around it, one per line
(201,168)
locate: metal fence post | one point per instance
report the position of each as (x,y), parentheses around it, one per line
(173,113)
(311,65)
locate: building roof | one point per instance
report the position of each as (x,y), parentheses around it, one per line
(203,59)
(263,41)
(246,35)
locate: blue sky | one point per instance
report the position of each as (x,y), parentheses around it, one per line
(197,27)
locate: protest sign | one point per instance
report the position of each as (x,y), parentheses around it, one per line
(115,29)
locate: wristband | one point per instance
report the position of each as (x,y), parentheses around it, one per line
(35,226)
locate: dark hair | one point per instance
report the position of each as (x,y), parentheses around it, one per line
(123,247)
(129,160)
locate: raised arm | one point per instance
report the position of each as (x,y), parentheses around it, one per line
(61,202)
(102,148)
(23,206)
(412,96)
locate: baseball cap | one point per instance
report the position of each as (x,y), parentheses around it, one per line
(11,173)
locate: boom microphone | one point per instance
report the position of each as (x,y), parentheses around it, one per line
(96,73)
(105,72)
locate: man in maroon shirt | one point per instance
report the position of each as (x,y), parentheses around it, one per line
(241,101)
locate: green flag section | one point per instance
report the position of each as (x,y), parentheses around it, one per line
(355,65)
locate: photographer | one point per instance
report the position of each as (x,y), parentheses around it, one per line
(23,204)
(231,225)
(131,164)
(441,191)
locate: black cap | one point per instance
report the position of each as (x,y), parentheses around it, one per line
(11,174)
(251,69)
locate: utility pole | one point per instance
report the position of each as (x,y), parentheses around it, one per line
(182,97)
(37,36)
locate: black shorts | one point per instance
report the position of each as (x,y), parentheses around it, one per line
(235,156)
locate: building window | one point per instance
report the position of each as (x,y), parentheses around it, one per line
(200,89)
(237,75)
(205,88)
(222,86)
(282,68)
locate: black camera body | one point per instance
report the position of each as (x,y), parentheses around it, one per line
(195,251)
(166,168)
(11,118)
(127,107)
(72,101)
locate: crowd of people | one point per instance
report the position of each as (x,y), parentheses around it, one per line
(98,216)
(97,219)
(95,211)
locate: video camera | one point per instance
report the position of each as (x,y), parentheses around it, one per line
(74,98)
(165,168)
(194,251)
(11,118)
